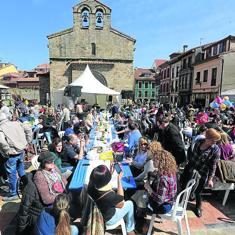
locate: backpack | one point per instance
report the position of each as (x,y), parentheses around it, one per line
(92,219)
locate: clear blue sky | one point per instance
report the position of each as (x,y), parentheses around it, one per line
(159,26)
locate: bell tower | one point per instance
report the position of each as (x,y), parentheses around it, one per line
(91,15)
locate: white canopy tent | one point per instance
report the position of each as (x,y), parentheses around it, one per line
(91,85)
(93,91)
(3,87)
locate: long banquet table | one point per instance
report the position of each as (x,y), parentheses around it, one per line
(85,166)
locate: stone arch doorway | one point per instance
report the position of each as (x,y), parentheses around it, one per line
(100,77)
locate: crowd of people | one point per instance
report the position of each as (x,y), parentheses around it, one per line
(162,144)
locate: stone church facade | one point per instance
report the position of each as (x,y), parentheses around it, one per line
(92,41)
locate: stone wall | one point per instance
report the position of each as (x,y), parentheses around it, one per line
(119,76)
(30,94)
(70,49)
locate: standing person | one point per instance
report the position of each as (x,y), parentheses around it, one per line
(190,113)
(14,138)
(171,139)
(5,109)
(56,220)
(204,159)
(66,116)
(133,136)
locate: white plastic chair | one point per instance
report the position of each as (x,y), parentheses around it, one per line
(178,211)
(61,134)
(35,162)
(121,222)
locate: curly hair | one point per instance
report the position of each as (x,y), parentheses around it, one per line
(163,160)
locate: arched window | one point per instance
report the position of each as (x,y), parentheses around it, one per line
(85,18)
(99,19)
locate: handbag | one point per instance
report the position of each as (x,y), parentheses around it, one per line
(118,147)
(95,222)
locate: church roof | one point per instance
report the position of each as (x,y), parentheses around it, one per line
(100,3)
(70,30)
(122,34)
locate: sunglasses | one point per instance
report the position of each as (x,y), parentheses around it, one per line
(144,144)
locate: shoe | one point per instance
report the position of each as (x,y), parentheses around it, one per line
(197,212)
(10,198)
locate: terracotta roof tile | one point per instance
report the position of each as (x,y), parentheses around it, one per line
(159,62)
(139,74)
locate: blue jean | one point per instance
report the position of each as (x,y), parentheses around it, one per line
(74,230)
(48,137)
(126,212)
(14,165)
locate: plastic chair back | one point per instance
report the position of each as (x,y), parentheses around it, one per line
(182,200)
(35,162)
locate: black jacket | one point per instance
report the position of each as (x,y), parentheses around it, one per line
(30,207)
(171,141)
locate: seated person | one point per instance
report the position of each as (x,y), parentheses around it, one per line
(56,147)
(111,205)
(137,163)
(48,178)
(30,207)
(162,185)
(69,130)
(83,134)
(56,220)
(226,149)
(73,152)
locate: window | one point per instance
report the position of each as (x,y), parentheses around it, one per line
(173,72)
(140,94)
(177,71)
(167,87)
(85,18)
(145,94)
(164,87)
(208,53)
(189,61)
(176,86)
(161,88)
(222,47)
(164,73)
(146,84)
(153,85)
(172,86)
(213,76)
(184,64)
(186,83)
(205,75)
(99,19)
(153,94)
(140,84)
(93,49)
(215,50)
(168,72)
(198,77)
